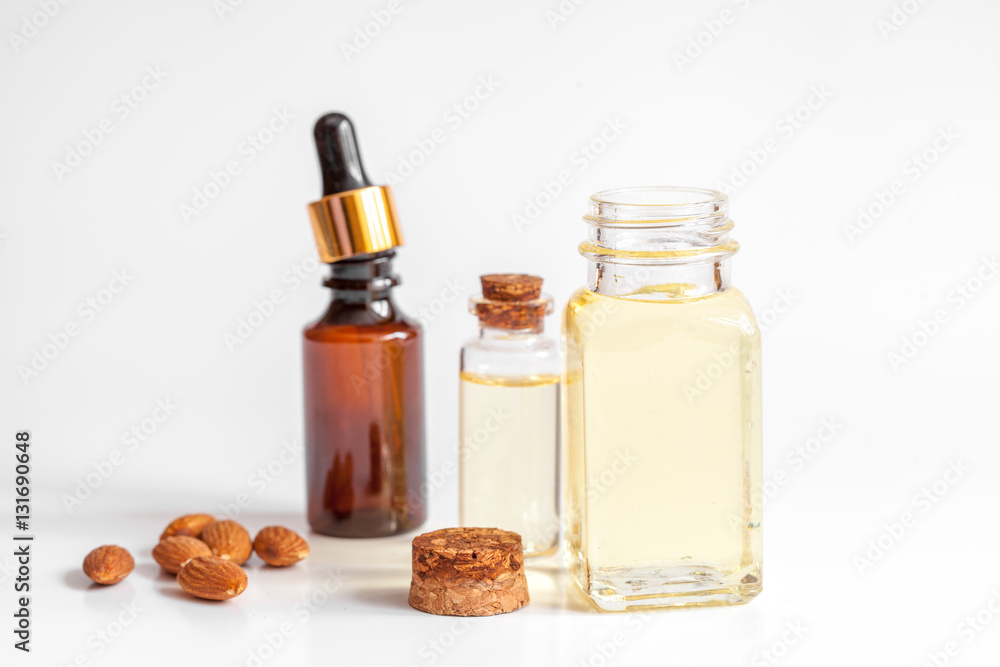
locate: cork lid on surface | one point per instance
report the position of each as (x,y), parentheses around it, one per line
(468,572)
(511,301)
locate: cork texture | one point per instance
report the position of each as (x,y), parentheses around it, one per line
(468,572)
(511,301)
(511,287)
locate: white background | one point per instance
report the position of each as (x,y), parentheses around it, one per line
(881,94)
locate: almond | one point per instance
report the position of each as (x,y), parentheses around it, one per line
(229,540)
(279,546)
(172,552)
(189,524)
(212,578)
(108,564)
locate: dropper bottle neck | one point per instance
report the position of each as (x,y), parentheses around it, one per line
(363,279)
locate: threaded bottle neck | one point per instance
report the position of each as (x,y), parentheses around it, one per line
(659,242)
(362,278)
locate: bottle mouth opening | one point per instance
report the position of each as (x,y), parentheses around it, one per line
(658,224)
(657,204)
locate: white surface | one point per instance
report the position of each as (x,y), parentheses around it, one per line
(825,356)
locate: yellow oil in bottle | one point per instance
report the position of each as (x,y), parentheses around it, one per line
(662,451)
(507,457)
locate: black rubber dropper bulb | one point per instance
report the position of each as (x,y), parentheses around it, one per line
(339,158)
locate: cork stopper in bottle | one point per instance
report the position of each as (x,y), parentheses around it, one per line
(468,572)
(511,301)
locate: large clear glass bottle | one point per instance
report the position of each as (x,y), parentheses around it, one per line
(661,407)
(509,415)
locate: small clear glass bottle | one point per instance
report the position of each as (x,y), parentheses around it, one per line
(662,407)
(509,415)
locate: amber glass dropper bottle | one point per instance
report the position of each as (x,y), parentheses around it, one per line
(363,359)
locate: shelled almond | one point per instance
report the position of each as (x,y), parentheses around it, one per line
(228,540)
(173,552)
(279,546)
(108,564)
(212,578)
(189,524)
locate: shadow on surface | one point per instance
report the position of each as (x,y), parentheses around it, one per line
(154,572)
(78,581)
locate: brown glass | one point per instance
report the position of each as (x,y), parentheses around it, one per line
(364,407)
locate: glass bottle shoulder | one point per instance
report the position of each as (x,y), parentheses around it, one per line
(510,355)
(586,311)
(362,322)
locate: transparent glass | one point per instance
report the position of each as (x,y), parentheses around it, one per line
(662,457)
(509,434)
